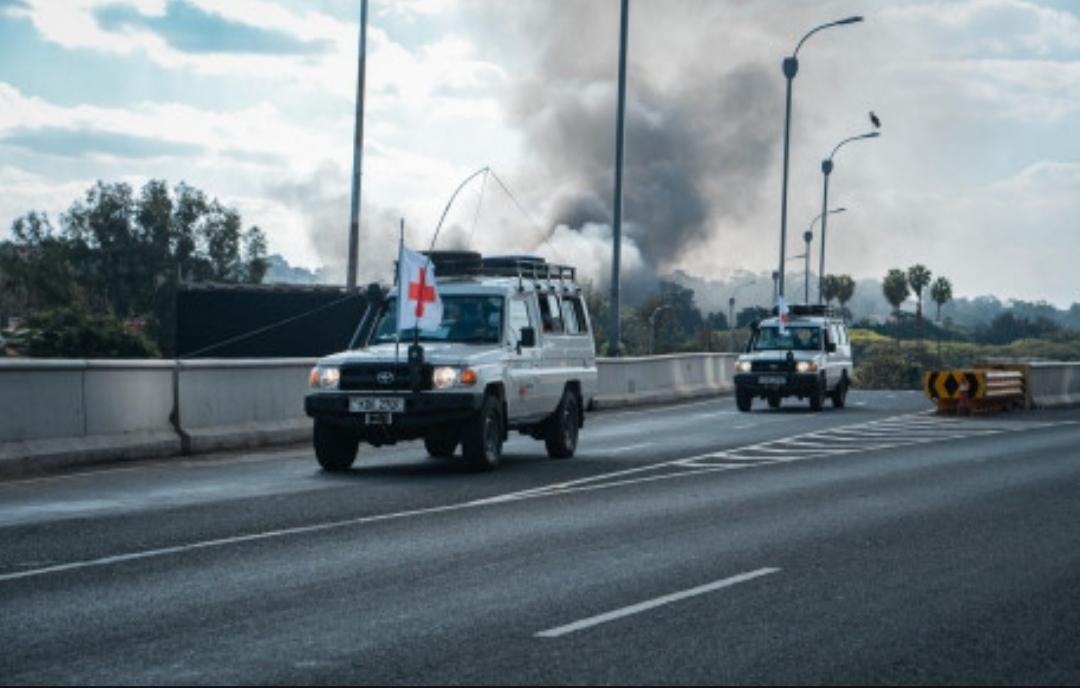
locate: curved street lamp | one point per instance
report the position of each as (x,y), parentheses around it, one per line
(731,313)
(826,170)
(790,67)
(652,327)
(812,223)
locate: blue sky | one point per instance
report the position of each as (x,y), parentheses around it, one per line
(976,173)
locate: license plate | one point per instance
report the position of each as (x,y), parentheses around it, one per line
(376,405)
(379,419)
(772,380)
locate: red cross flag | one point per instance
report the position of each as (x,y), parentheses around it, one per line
(782,311)
(420,305)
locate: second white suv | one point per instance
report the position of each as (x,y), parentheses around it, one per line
(807,357)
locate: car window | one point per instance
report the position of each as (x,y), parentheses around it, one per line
(473,318)
(574,316)
(550,313)
(519,318)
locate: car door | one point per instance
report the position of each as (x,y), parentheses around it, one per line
(523,398)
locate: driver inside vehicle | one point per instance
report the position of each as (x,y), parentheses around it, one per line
(472,324)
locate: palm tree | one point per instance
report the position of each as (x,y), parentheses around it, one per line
(941,293)
(918,277)
(845,289)
(896,290)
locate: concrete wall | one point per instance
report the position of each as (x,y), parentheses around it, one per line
(73,412)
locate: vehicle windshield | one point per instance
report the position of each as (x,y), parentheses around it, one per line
(798,338)
(472,319)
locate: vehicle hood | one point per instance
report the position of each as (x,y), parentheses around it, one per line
(437,353)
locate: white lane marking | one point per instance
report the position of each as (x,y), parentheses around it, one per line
(629,447)
(208,544)
(653,603)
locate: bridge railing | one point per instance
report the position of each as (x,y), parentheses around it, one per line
(64,412)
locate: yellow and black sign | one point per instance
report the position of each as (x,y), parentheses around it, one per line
(947,384)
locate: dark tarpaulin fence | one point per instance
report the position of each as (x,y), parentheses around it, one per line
(265,321)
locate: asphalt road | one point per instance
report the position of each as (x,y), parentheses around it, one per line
(691,544)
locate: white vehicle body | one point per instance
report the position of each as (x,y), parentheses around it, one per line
(525,362)
(808,357)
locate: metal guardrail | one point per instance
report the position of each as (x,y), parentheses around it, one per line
(977,390)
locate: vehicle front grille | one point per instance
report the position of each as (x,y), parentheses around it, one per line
(381,377)
(772,366)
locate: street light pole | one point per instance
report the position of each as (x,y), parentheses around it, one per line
(731,313)
(790,68)
(652,328)
(826,170)
(812,223)
(807,237)
(358,148)
(615,325)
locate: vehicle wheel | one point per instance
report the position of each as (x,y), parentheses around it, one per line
(481,443)
(774,401)
(743,399)
(839,395)
(561,434)
(441,446)
(334,448)
(815,397)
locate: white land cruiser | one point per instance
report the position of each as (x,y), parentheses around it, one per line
(810,358)
(514,351)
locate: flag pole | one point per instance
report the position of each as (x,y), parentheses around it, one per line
(401,296)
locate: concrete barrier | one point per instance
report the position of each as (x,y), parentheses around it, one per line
(70,412)
(661,379)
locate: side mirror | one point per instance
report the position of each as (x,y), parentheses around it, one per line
(528,337)
(830,347)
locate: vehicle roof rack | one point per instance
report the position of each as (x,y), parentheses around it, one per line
(471,264)
(527,267)
(820,310)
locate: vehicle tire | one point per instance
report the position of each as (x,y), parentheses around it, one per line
(481,442)
(743,399)
(839,395)
(334,448)
(441,446)
(816,394)
(774,401)
(561,431)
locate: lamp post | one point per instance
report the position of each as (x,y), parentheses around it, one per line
(826,170)
(358,147)
(790,68)
(731,313)
(805,256)
(821,282)
(615,325)
(807,237)
(652,328)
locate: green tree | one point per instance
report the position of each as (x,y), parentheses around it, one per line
(896,290)
(123,255)
(918,277)
(941,293)
(830,288)
(36,267)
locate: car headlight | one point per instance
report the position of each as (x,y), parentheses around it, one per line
(742,366)
(805,367)
(444,377)
(325,377)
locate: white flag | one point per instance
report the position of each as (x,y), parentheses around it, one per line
(782,311)
(419,304)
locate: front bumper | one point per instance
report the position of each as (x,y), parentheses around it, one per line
(783,383)
(423,412)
